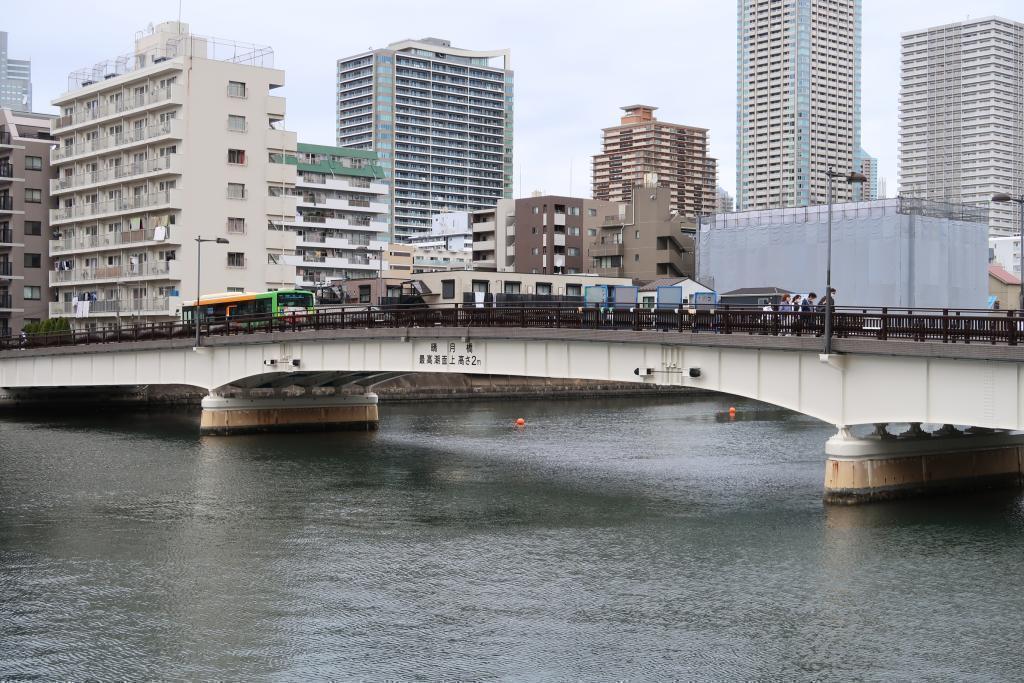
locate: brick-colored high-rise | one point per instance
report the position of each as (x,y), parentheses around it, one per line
(642,145)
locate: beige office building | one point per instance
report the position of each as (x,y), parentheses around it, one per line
(962,115)
(25,173)
(179,139)
(798,100)
(642,145)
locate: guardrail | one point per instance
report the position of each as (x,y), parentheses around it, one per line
(929,325)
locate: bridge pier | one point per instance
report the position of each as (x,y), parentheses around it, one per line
(279,412)
(883,466)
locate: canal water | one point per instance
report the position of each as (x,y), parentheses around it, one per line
(642,539)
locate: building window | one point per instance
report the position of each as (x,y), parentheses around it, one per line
(33,293)
(447,289)
(236,156)
(637,234)
(32,260)
(33,163)
(636,257)
(592,232)
(536,209)
(481,286)
(592,212)
(33,196)
(574,290)
(236,225)
(236,289)
(573,231)
(236,89)
(236,123)
(572,251)
(33,227)
(236,259)
(513,288)
(574,211)
(236,191)
(544,288)
(364,294)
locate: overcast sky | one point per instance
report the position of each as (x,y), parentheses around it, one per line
(575,63)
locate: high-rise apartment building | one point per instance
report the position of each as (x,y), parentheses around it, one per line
(439,118)
(642,145)
(25,175)
(341,220)
(178,140)
(724,202)
(962,115)
(798,100)
(15,79)
(868,191)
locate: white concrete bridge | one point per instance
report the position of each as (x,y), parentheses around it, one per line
(260,379)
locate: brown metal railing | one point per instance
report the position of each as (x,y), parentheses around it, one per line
(921,325)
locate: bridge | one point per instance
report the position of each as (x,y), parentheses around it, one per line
(940,368)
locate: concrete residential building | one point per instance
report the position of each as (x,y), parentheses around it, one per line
(642,145)
(550,232)
(723,202)
(962,115)
(867,191)
(798,100)
(452,231)
(25,175)
(156,148)
(1005,252)
(645,241)
(341,219)
(15,79)
(439,118)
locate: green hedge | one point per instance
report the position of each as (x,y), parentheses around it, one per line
(51,326)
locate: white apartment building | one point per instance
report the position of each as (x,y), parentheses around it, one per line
(177,140)
(1005,251)
(962,115)
(798,100)
(341,220)
(439,118)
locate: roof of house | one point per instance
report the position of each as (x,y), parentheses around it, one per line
(757,291)
(653,285)
(1003,275)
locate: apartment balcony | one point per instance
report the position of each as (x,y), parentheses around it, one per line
(7,239)
(114,240)
(275,107)
(310,200)
(112,207)
(281,174)
(7,271)
(320,240)
(7,173)
(124,106)
(342,183)
(154,270)
(122,308)
(7,304)
(168,130)
(281,139)
(169,164)
(7,204)
(484,226)
(606,250)
(483,245)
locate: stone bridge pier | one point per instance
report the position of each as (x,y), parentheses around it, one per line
(883,465)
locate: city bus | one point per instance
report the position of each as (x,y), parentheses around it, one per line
(246,304)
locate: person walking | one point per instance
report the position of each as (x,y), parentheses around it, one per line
(811,306)
(797,323)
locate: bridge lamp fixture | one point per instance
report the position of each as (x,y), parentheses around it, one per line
(1002,198)
(199,292)
(850,178)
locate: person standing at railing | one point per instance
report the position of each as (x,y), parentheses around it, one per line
(810,305)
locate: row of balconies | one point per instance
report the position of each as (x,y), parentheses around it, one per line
(125,138)
(341,182)
(152,270)
(111,240)
(125,104)
(109,207)
(161,305)
(170,163)
(310,200)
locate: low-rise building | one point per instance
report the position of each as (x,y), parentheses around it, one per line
(472,286)
(1005,252)
(1003,288)
(341,220)
(432,260)
(645,240)
(25,175)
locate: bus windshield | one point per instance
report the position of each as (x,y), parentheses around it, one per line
(295,299)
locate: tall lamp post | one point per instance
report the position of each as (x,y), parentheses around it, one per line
(851,178)
(1002,197)
(199,271)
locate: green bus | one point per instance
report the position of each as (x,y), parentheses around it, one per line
(245,305)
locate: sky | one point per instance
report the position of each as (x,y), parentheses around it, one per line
(575,63)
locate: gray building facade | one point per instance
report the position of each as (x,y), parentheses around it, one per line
(892,252)
(15,79)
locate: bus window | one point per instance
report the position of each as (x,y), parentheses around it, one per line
(295,299)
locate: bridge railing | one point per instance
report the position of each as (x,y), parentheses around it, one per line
(935,325)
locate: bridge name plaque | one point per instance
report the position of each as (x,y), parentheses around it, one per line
(449,354)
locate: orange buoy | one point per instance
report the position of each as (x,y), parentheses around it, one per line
(732,410)
(520,422)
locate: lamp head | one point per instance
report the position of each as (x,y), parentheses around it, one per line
(1001,197)
(222,240)
(855,177)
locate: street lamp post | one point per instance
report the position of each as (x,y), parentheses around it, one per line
(199,272)
(852,177)
(1019,201)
